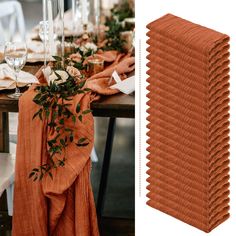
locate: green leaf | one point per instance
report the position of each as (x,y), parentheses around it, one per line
(57,58)
(74,118)
(37,113)
(31,174)
(79,65)
(68,130)
(61,163)
(78,108)
(58,128)
(40,114)
(50,174)
(58,76)
(81,140)
(80,117)
(41,176)
(36,177)
(61,121)
(81,84)
(47,113)
(71,138)
(37,97)
(62,141)
(86,111)
(43,168)
(35,170)
(82,144)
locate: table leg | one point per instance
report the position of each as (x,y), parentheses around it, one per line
(4,132)
(105,166)
(5,220)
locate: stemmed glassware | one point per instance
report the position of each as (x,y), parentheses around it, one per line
(15,54)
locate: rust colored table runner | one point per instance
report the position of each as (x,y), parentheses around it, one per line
(188,121)
(63,206)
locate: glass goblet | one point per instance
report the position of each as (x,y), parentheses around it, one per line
(15,54)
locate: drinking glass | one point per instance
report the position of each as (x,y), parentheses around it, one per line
(15,55)
(44,25)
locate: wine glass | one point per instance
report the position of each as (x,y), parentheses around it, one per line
(44,36)
(15,55)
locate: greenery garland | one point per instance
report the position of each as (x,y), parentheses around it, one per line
(54,99)
(54,102)
(115,27)
(123,11)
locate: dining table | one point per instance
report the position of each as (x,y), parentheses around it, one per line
(112,107)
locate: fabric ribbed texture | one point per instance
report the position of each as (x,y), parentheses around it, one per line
(188,121)
(65,205)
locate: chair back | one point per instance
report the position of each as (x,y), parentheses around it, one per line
(7,171)
(11,19)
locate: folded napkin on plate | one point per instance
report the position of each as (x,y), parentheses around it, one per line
(8,78)
(35,47)
(36,51)
(126,86)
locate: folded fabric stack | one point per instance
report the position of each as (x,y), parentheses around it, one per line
(188,122)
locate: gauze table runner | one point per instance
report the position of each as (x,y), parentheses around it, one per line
(63,206)
(188,121)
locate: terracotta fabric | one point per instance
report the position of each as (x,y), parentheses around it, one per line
(101,82)
(188,121)
(65,205)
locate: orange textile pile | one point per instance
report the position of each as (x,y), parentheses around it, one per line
(63,206)
(188,122)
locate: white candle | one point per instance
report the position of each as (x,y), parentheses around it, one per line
(73,3)
(84,5)
(44,31)
(62,9)
(50,25)
(97,15)
(96,5)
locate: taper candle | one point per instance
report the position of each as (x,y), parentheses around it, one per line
(84,5)
(50,22)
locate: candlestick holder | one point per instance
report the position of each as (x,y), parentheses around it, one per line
(95,65)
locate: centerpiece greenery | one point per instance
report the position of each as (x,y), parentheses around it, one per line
(115,26)
(54,99)
(54,106)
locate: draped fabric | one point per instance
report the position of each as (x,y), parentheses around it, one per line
(64,205)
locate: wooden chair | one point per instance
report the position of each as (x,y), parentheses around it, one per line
(7,172)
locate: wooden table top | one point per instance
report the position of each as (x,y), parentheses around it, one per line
(119,105)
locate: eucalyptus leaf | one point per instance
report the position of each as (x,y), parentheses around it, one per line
(86,111)
(31,174)
(78,108)
(57,58)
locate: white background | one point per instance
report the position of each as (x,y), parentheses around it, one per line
(216,14)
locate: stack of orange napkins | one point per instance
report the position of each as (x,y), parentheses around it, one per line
(188,121)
